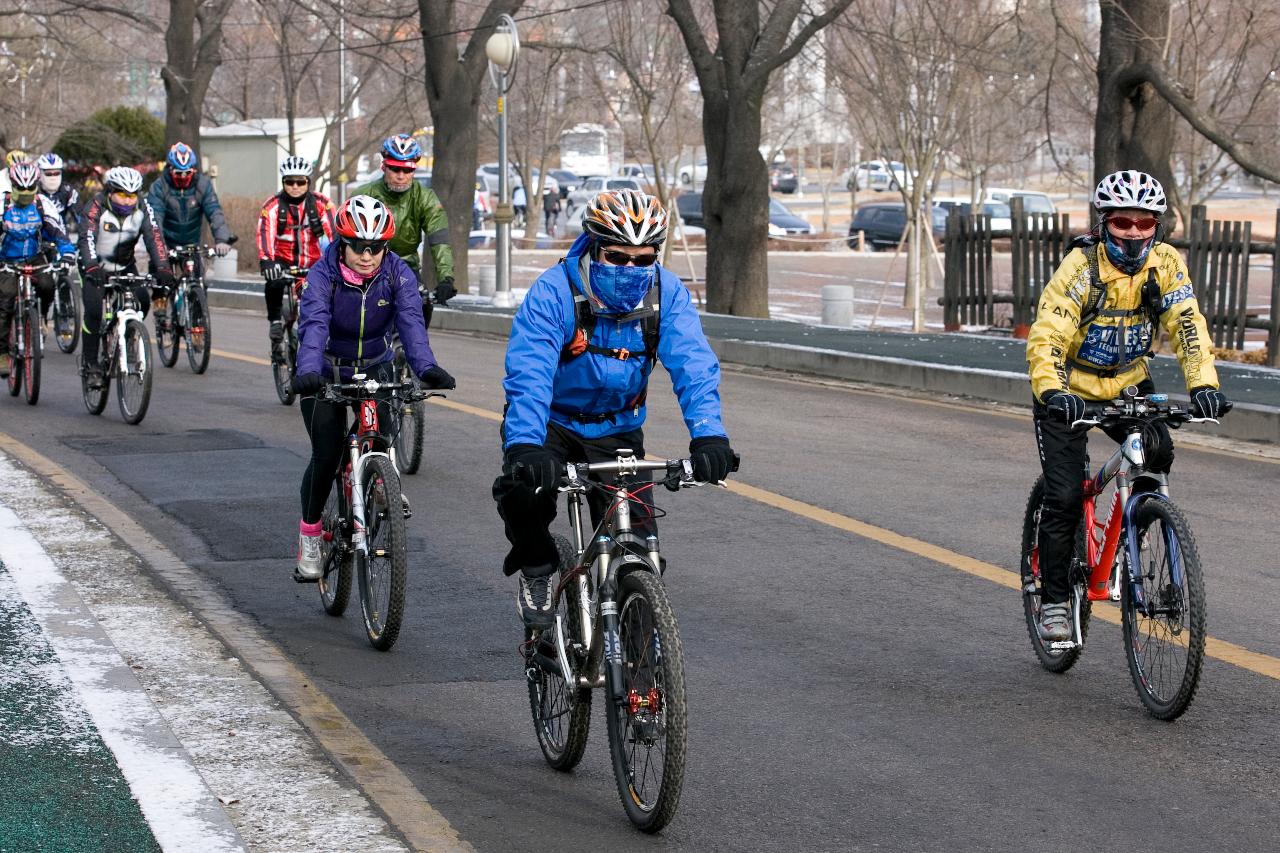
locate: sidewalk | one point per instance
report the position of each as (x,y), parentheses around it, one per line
(127,725)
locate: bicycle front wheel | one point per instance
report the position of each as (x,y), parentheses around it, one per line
(168,332)
(561,711)
(197,332)
(1051,659)
(335,576)
(648,723)
(1162,610)
(66,315)
(32,355)
(413,418)
(133,377)
(383,572)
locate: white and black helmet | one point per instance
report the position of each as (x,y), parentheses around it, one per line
(123,179)
(295,167)
(50,161)
(1132,189)
(626,217)
(24,175)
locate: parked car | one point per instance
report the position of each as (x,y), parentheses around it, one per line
(1001,215)
(782,222)
(690,173)
(1032,202)
(877,175)
(689,206)
(568,181)
(642,172)
(884,223)
(593,185)
(782,178)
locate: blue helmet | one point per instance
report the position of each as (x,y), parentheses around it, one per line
(181,157)
(401,150)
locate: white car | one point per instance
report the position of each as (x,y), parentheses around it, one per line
(597,183)
(877,175)
(1032,202)
(691,173)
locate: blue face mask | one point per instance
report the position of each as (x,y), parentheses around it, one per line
(1128,256)
(621,288)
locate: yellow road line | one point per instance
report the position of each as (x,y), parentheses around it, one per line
(252,359)
(386,786)
(1256,662)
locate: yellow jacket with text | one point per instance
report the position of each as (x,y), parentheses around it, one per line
(1110,351)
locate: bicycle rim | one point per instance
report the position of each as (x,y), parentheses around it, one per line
(133,380)
(1164,628)
(1057,661)
(409,441)
(32,356)
(648,723)
(561,711)
(335,576)
(282,370)
(95,400)
(198,333)
(383,572)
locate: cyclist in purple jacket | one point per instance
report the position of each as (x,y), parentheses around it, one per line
(357,296)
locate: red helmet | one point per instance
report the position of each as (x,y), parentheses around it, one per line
(363,217)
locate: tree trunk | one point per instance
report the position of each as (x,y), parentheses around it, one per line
(735,205)
(1133,127)
(190,61)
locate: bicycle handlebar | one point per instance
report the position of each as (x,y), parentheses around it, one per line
(179,252)
(361,389)
(679,472)
(1130,407)
(125,279)
(32,269)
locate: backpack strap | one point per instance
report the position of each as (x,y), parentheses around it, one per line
(1097,290)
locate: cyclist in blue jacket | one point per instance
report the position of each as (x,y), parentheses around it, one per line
(582,346)
(357,296)
(27,219)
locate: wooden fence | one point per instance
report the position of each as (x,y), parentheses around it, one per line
(1217,253)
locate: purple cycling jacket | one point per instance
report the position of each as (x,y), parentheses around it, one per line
(353,326)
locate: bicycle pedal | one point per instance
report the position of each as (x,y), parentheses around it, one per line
(1063,645)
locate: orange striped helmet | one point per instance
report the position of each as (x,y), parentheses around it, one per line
(626,218)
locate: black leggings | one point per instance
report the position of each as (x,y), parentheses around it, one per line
(274,289)
(93,314)
(528,516)
(327,425)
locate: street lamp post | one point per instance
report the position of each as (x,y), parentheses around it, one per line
(503,49)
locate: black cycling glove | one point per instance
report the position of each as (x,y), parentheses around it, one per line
(712,458)
(1063,406)
(1209,402)
(271,270)
(308,383)
(437,377)
(533,465)
(445,291)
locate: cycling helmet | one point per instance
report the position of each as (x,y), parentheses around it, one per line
(1129,188)
(50,162)
(122,179)
(182,165)
(24,176)
(363,217)
(626,218)
(401,150)
(16,156)
(295,167)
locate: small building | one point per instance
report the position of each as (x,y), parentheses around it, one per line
(245,157)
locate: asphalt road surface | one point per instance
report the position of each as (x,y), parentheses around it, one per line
(847,692)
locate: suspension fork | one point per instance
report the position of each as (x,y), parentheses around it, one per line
(358,541)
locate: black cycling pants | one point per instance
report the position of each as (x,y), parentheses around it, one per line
(274,291)
(1064,459)
(92,326)
(43,286)
(528,516)
(327,425)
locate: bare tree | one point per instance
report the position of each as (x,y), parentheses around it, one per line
(191,59)
(753,39)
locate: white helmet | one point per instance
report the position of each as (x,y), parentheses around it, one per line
(626,218)
(295,167)
(1129,188)
(50,162)
(125,179)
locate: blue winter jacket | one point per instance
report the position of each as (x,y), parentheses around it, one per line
(340,320)
(181,212)
(539,387)
(27,226)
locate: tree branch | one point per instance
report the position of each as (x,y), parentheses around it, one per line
(788,53)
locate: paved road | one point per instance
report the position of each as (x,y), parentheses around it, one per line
(846,694)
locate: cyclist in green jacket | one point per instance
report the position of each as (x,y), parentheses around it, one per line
(417,211)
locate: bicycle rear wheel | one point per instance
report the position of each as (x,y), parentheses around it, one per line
(561,711)
(66,315)
(1050,659)
(648,723)
(383,573)
(15,367)
(413,418)
(168,332)
(1162,611)
(32,355)
(133,379)
(335,576)
(198,334)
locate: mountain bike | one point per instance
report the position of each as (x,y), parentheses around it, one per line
(66,307)
(26,328)
(124,350)
(614,629)
(187,315)
(1143,555)
(284,355)
(364,516)
(413,419)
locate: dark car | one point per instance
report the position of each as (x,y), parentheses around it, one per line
(567,180)
(883,224)
(782,178)
(690,207)
(783,222)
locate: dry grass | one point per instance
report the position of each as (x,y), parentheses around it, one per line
(1253,356)
(242,215)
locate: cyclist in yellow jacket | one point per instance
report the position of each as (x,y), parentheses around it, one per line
(1095,328)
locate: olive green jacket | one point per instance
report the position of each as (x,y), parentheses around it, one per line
(417,211)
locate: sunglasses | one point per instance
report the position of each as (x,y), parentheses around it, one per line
(366,247)
(296,182)
(400,170)
(1124,223)
(621,259)
(124,195)
(52,173)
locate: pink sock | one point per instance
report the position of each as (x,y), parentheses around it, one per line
(313,529)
